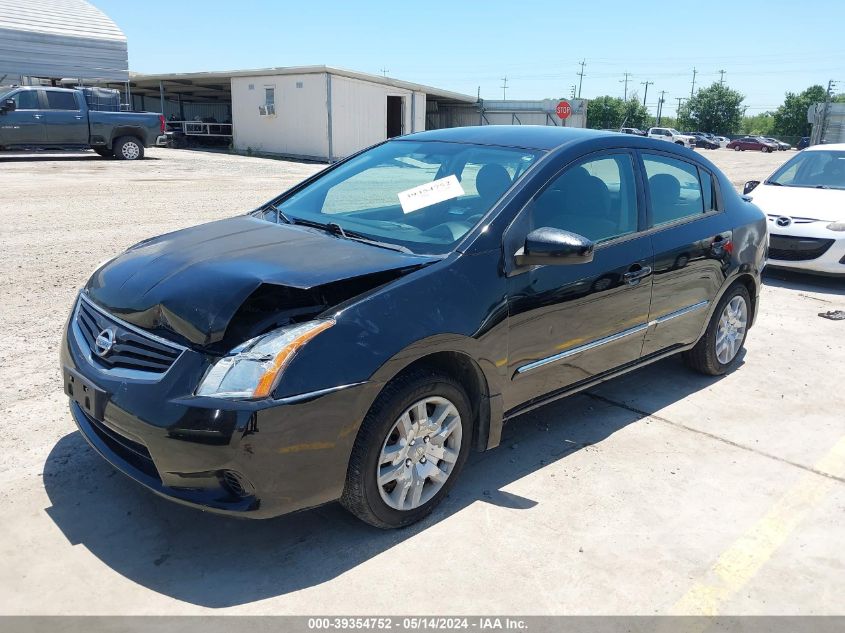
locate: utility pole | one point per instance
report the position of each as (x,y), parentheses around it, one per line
(384,71)
(573,88)
(692,90)
(818,138)
(504,88)
(646,84)
(660,106)
(678,111)
(625,81)
(722,77)
(581,76)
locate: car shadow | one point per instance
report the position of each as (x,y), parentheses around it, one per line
(793,280)
(36,156)
(216,562)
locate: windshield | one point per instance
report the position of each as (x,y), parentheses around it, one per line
(824,169)
(422,196)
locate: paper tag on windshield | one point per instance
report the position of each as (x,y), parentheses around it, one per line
(430,193)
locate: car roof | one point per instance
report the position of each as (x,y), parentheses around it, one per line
(537,137)
(839,147)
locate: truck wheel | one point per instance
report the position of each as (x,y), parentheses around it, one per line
(105,152)
(409,450)
(679,142)
(128,148)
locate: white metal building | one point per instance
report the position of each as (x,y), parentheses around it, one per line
(315,112)
(56,39)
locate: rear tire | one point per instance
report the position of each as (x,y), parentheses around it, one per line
(719,347)
(403,463)
(737,148)
(128,148)
(765,149)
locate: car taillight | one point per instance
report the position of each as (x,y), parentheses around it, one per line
(162,122)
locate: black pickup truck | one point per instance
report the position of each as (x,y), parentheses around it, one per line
(43,117)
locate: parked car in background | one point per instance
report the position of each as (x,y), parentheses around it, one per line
(803,143)
(632,130)
(41,117)
(672,135)
(805,203)
(781,145)
(757,143)
(723,140)
(704,142)
(279,360)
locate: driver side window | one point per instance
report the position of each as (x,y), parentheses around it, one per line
(26,100)
(596,199)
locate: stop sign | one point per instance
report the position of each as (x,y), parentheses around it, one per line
(563,109)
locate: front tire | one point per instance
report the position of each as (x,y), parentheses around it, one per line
(128,148)
(765,150)
(410,448)
(718,349)
(737,148)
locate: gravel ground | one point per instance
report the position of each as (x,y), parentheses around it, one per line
(707,458)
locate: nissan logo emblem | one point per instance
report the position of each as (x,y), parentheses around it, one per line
(104,342)
(783,221)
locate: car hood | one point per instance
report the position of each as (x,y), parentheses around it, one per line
(194,281)
(801,202)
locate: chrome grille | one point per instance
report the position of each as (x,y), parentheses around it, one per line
(132,348)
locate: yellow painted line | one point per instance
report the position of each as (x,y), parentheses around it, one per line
(741,561)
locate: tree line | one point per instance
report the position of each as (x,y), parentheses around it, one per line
(717,109)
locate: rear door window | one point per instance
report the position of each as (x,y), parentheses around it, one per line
(61,100)
(674,188)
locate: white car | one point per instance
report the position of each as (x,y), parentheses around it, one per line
(672,135)
(805,203)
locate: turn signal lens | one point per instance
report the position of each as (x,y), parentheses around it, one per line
(252,369)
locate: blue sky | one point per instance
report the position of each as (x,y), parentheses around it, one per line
(766,48)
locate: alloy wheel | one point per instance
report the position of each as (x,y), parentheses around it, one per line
(419,453)
(130,150)
(731,330)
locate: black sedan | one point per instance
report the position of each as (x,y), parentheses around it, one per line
(705,142)
(357,336)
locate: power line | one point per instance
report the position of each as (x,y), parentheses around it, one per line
(581,76)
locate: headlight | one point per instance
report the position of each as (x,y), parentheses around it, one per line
(836,226)
(252,369)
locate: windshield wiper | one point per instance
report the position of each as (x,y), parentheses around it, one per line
(279,214)
(775,183)
(335,229)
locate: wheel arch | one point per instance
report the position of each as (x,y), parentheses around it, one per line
(135,132)
(485,398)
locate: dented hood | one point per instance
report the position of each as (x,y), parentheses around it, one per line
(193,281)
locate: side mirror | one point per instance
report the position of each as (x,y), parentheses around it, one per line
(749,186)
(545,246)
(8,106)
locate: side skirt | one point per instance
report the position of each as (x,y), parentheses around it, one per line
(591,382)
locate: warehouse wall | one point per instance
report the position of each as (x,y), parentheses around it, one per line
(359,113)
(299,127)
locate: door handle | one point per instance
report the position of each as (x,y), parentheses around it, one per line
(78,116)
(37,116)
(635,274)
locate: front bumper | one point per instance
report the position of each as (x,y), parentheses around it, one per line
(807,247)
(161,140)
(254,459)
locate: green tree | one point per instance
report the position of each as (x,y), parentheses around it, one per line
(604,113)
(791,118)
(758,124)
(612,113)
(717,109)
